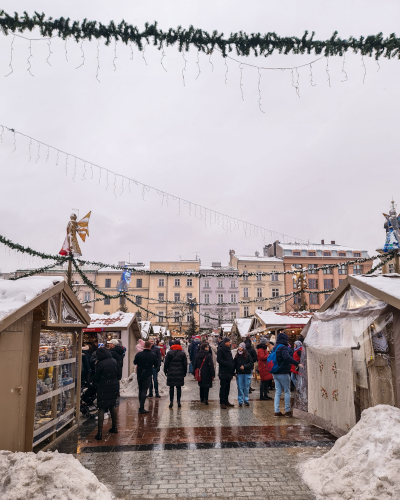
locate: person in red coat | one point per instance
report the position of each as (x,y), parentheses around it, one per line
(265,375)
(298,348)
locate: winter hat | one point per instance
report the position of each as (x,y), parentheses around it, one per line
(140,345)
(113,341)
(242,345)
(263,340)
(177,342)
(298,343)
(225,340)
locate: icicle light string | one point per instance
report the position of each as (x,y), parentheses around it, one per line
(223,219)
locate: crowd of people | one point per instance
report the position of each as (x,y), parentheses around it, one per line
(102,368)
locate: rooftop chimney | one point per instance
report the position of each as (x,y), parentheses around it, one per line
(333,242)
(322,242)
(257,254)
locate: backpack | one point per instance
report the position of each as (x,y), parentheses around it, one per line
(272,361)
(197,373)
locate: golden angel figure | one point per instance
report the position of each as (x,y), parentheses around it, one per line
(71,244)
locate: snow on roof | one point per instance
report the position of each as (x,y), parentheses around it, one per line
(15,294)
(226,327)
(282,319)
(115,320)
(387,283)
(219,268)
(243,326)
(157,329)
(145,327)
(261,258)
(318,246)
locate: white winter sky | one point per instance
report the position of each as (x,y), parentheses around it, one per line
(322,166)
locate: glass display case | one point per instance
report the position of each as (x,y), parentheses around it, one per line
(56,383)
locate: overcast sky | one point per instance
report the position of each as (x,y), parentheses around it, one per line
(324,165)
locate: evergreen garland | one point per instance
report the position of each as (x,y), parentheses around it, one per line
(244,44)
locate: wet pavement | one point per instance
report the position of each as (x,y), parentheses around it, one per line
(198,450)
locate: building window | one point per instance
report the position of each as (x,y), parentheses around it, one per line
(311,254)
(313,284)
(358,269)
(297,299)
(108,283)
(233,316)
(245,292)
(296,253)
(246,311)
(327,270)
(328,284)
(275,293)
(274,277)
(245,276)
(177,282)
(294,284)
(259,293)
(326,254)
(233,284)
(87,296)
(161,297)
(314,298)
(189,282)
(297,266)
(206,317)
(259,308)
(161,282)
(357,254)
(275,308)
(342,254)
(220,298)
(259,276)
(161,316)
(327,295)
(138,300)
(189,316)
(233,298)
(220,284)
(206,283)
(177,317)
(206,298)
(107,301)
(177,297)
(139,283)
(312,269)
(342,269)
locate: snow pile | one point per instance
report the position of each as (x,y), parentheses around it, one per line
(15,294)
(47,476)
(364,464)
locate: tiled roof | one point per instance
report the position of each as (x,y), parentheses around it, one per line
(318,246)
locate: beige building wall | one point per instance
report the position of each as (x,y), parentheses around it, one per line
(171,288)
(267,286)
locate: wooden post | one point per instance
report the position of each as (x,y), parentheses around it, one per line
(33,374)
(69,273)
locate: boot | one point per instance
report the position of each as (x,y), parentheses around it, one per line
(171,404)
(179,404)
(157,395)
(113,430)
(142,410)
(223,407)
(150,395)
(99,435)
(229,404)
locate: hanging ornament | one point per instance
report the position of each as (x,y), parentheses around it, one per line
(71,245)
(392,227)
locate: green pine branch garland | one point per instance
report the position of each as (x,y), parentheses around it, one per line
(40,269)
(244,44)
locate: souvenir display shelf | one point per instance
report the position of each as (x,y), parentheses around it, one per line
(56,383)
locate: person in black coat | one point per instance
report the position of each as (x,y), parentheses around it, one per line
(117,352)
(253,353)
(243,368)
(106,380)
(157,352)
(204,362)
(145,361)
(175,368)
(226,371)
(85,366)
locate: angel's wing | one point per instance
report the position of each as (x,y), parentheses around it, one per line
(83,227)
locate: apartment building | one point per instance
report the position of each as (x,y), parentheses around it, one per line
(265,289)
(215,290)
(176,291)
(312,256)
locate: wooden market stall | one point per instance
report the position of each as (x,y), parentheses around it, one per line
(41,323)
(122,326)
(269,322)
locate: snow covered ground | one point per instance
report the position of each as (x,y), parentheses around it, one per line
(364,464)
(47,476)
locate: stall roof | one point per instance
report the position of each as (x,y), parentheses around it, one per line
(145,327)
(243,326)
(227,327)
(283,320)
(385,287)
(118,320)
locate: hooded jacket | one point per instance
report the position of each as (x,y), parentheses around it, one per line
(193,349)
(145,361)
(226,363)
(157,353)
(245,359)
(250,349)
(175,366)
(207,371)
(117,352)
(283,354)
(106,378)
(297,357)
(262,356)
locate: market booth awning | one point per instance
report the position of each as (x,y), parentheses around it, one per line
(351,353)
(119,325)
(270,320)
(41,323)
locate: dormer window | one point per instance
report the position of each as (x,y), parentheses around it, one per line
(296,253)
(357,254)
(326,254)
(311,254)
(342,254)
